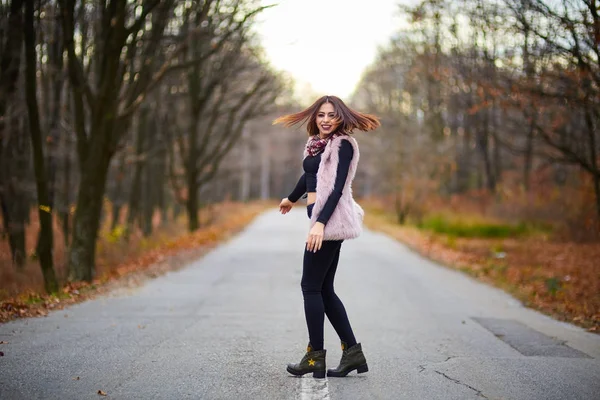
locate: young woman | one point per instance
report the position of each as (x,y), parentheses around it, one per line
(330,161)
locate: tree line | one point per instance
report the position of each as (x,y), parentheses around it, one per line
(136,103)
(485,94)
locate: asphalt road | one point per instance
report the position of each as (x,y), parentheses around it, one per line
(226,326)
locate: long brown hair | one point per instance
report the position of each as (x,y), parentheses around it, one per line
(347,118)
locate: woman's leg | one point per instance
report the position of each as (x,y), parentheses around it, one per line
(334,308)
(314,271)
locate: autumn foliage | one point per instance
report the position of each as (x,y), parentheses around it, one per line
(539,263)
(119,262)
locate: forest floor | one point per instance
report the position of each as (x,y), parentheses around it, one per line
(557,277)
(119,263)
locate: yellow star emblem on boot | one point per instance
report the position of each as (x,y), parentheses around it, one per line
(311,362)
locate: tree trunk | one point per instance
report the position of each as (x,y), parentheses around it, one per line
(116,215)
(463,160)
(14,225)
(94,170)
(482,138)
(150,182)
(15,161)
(55,78)
(65,215)
(593,155)
(135,195)
(161,170)
(65,211)
(87,218)
(529,113)
(192,177)
(496,154)
(246,177)
(10,60)
(45,241)
(117,194)
(12,199)
(468,156)
(597,193)
(265,170)
(435,120)
(528,162)
(176,210)
(402,209)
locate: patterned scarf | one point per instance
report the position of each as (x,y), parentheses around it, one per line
(316,145)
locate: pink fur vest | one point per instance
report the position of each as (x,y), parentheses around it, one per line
(346,220)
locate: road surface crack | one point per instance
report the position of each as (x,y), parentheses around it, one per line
(422,367)
(477,392)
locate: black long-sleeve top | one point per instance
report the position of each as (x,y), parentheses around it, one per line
(308,180)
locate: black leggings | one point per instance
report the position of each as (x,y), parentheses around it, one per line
(319,296)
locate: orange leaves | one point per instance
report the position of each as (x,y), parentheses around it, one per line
(560,278)
(138,260)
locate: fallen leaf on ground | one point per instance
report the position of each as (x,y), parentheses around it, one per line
(101,393)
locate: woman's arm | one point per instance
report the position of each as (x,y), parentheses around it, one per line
(299,190)
(345,158)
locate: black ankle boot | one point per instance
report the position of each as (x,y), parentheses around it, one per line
(313,361)
(352,359)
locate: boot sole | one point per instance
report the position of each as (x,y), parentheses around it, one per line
(360,370)
(316,374)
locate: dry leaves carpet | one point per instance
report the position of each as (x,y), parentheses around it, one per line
(126,264)
(559,278)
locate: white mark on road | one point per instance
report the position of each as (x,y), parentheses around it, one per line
(314,389)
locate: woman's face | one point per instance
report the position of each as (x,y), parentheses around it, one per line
(325,120)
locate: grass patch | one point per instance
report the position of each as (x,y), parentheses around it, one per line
(553,285)
(33,298)
(471,228)
(61,295)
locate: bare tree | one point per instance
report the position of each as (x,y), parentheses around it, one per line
(515,83)
(14,150)
(45,242)
(104,100)
(226,87)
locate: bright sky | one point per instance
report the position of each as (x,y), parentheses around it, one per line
(326,44)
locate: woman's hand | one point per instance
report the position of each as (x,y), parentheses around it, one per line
(285,206)
(315,237)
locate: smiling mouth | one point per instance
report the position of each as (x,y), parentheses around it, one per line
(326,127)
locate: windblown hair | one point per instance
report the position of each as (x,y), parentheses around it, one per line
(347,118)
